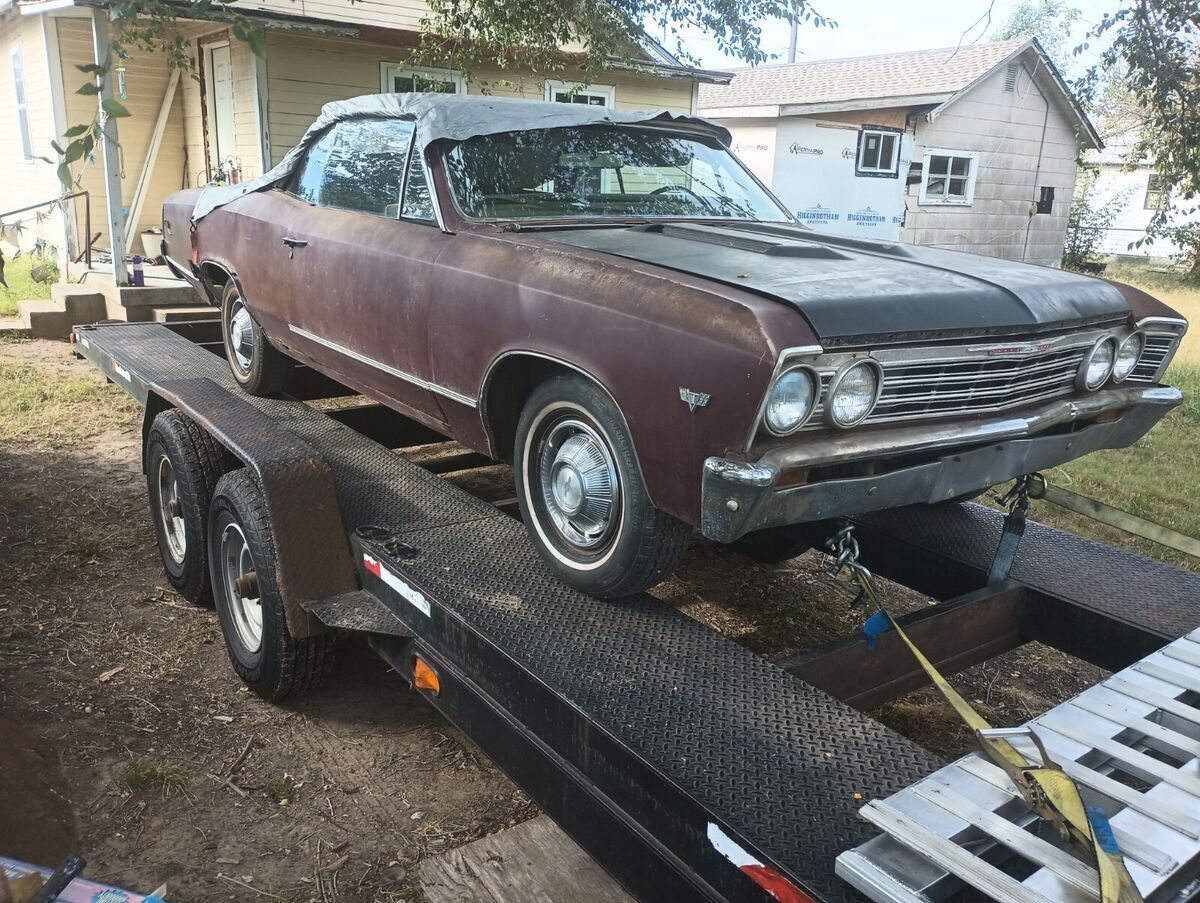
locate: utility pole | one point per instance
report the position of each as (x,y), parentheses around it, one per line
(111,147)
(795,33)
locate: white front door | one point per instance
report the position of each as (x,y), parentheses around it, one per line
(221,136)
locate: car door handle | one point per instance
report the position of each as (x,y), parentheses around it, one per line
(292,244)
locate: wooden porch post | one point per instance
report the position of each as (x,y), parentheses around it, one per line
(111,147)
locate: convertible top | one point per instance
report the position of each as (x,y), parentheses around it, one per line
(453,116)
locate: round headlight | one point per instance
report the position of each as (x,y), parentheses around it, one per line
(1097,364)
(852,393)
(790,401)
(1128,355)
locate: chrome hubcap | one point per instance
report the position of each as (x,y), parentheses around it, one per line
(579,484)
(245,607)
(170,510)
(241,335)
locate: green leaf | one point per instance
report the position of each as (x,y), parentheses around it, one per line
(88,89)
(73,152)
(75,131)
(114,108)
(257,39)
(57,149)
(64,175)
(88,144)
(92,68)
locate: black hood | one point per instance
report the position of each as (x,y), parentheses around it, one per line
(851,287)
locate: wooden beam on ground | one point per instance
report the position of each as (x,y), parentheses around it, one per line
(531,861)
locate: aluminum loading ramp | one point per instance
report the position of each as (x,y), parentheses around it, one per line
(1132,744)
(683,763)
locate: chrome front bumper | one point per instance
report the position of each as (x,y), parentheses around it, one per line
(741,497)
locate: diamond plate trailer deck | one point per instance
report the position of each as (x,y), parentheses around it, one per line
(675,757)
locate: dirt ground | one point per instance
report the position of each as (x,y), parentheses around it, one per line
(140,748)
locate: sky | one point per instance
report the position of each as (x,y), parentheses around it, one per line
(885,26)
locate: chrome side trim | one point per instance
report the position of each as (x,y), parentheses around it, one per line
(391,371)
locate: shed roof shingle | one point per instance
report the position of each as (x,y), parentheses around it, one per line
(909,74)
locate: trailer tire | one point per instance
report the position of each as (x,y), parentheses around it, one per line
(183,465)
(258,366)
(272,662)
(570,423)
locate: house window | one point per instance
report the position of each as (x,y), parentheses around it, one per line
(948,177)
(18,71)
(592,95)
(1156,192)
(399,79)
(878,152)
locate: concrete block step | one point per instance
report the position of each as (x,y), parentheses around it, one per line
(82,304)
(14,327)
(46,319)
(185,314)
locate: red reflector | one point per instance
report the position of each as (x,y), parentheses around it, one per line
(776,885)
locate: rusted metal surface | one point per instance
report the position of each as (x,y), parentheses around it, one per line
(954,635)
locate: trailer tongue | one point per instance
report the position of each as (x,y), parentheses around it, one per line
(689,767)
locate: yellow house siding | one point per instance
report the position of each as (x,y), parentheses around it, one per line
(27,182)
(146,78)
(305,72)
(384,13)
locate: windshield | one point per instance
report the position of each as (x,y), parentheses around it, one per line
(602,171)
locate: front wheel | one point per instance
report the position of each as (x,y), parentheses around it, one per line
(582,496)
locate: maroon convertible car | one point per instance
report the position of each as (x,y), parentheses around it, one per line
(611,301)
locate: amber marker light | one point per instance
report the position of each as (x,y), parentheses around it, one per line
(424,677)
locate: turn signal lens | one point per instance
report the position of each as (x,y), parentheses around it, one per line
(791,401)
(852,393)
(424,677)
(1128,355)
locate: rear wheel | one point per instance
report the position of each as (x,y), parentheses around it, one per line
(258,367)
(581,493)
(183,465)
(242,563)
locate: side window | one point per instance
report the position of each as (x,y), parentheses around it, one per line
(356,165)
(417,202)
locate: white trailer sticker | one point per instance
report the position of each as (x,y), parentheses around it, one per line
(414,597)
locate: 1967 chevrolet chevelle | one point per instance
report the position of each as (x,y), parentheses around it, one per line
(611,301)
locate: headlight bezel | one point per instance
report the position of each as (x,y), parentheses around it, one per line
(1140,336)
(814,398)
(835,383)
(1081,380)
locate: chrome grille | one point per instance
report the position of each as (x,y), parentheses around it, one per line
(1159,346)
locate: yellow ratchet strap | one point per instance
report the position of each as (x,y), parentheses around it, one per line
(1048,790)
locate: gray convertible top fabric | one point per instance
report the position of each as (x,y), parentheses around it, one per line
(436,116)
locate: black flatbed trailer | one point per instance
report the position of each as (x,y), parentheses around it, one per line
(687,766)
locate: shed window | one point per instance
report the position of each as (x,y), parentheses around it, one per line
(356,165)
(948,177)
(878,152)
(1045,202)
(399,79)
(1156,192)
(592,95)
(18,71)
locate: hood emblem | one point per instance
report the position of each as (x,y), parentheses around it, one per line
(693,399)
(1016,348)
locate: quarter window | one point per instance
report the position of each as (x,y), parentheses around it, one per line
(878,152)
(356,165)
(403,80)
(417,201)
(18,72)
(948,177)
(592,95)
(1156,192)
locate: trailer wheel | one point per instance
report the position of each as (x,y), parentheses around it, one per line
(581,494)
(259,367)
(183,464)
(241,553)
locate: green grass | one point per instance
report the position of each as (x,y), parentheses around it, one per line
(141,774)
(21,285)
(55,409)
